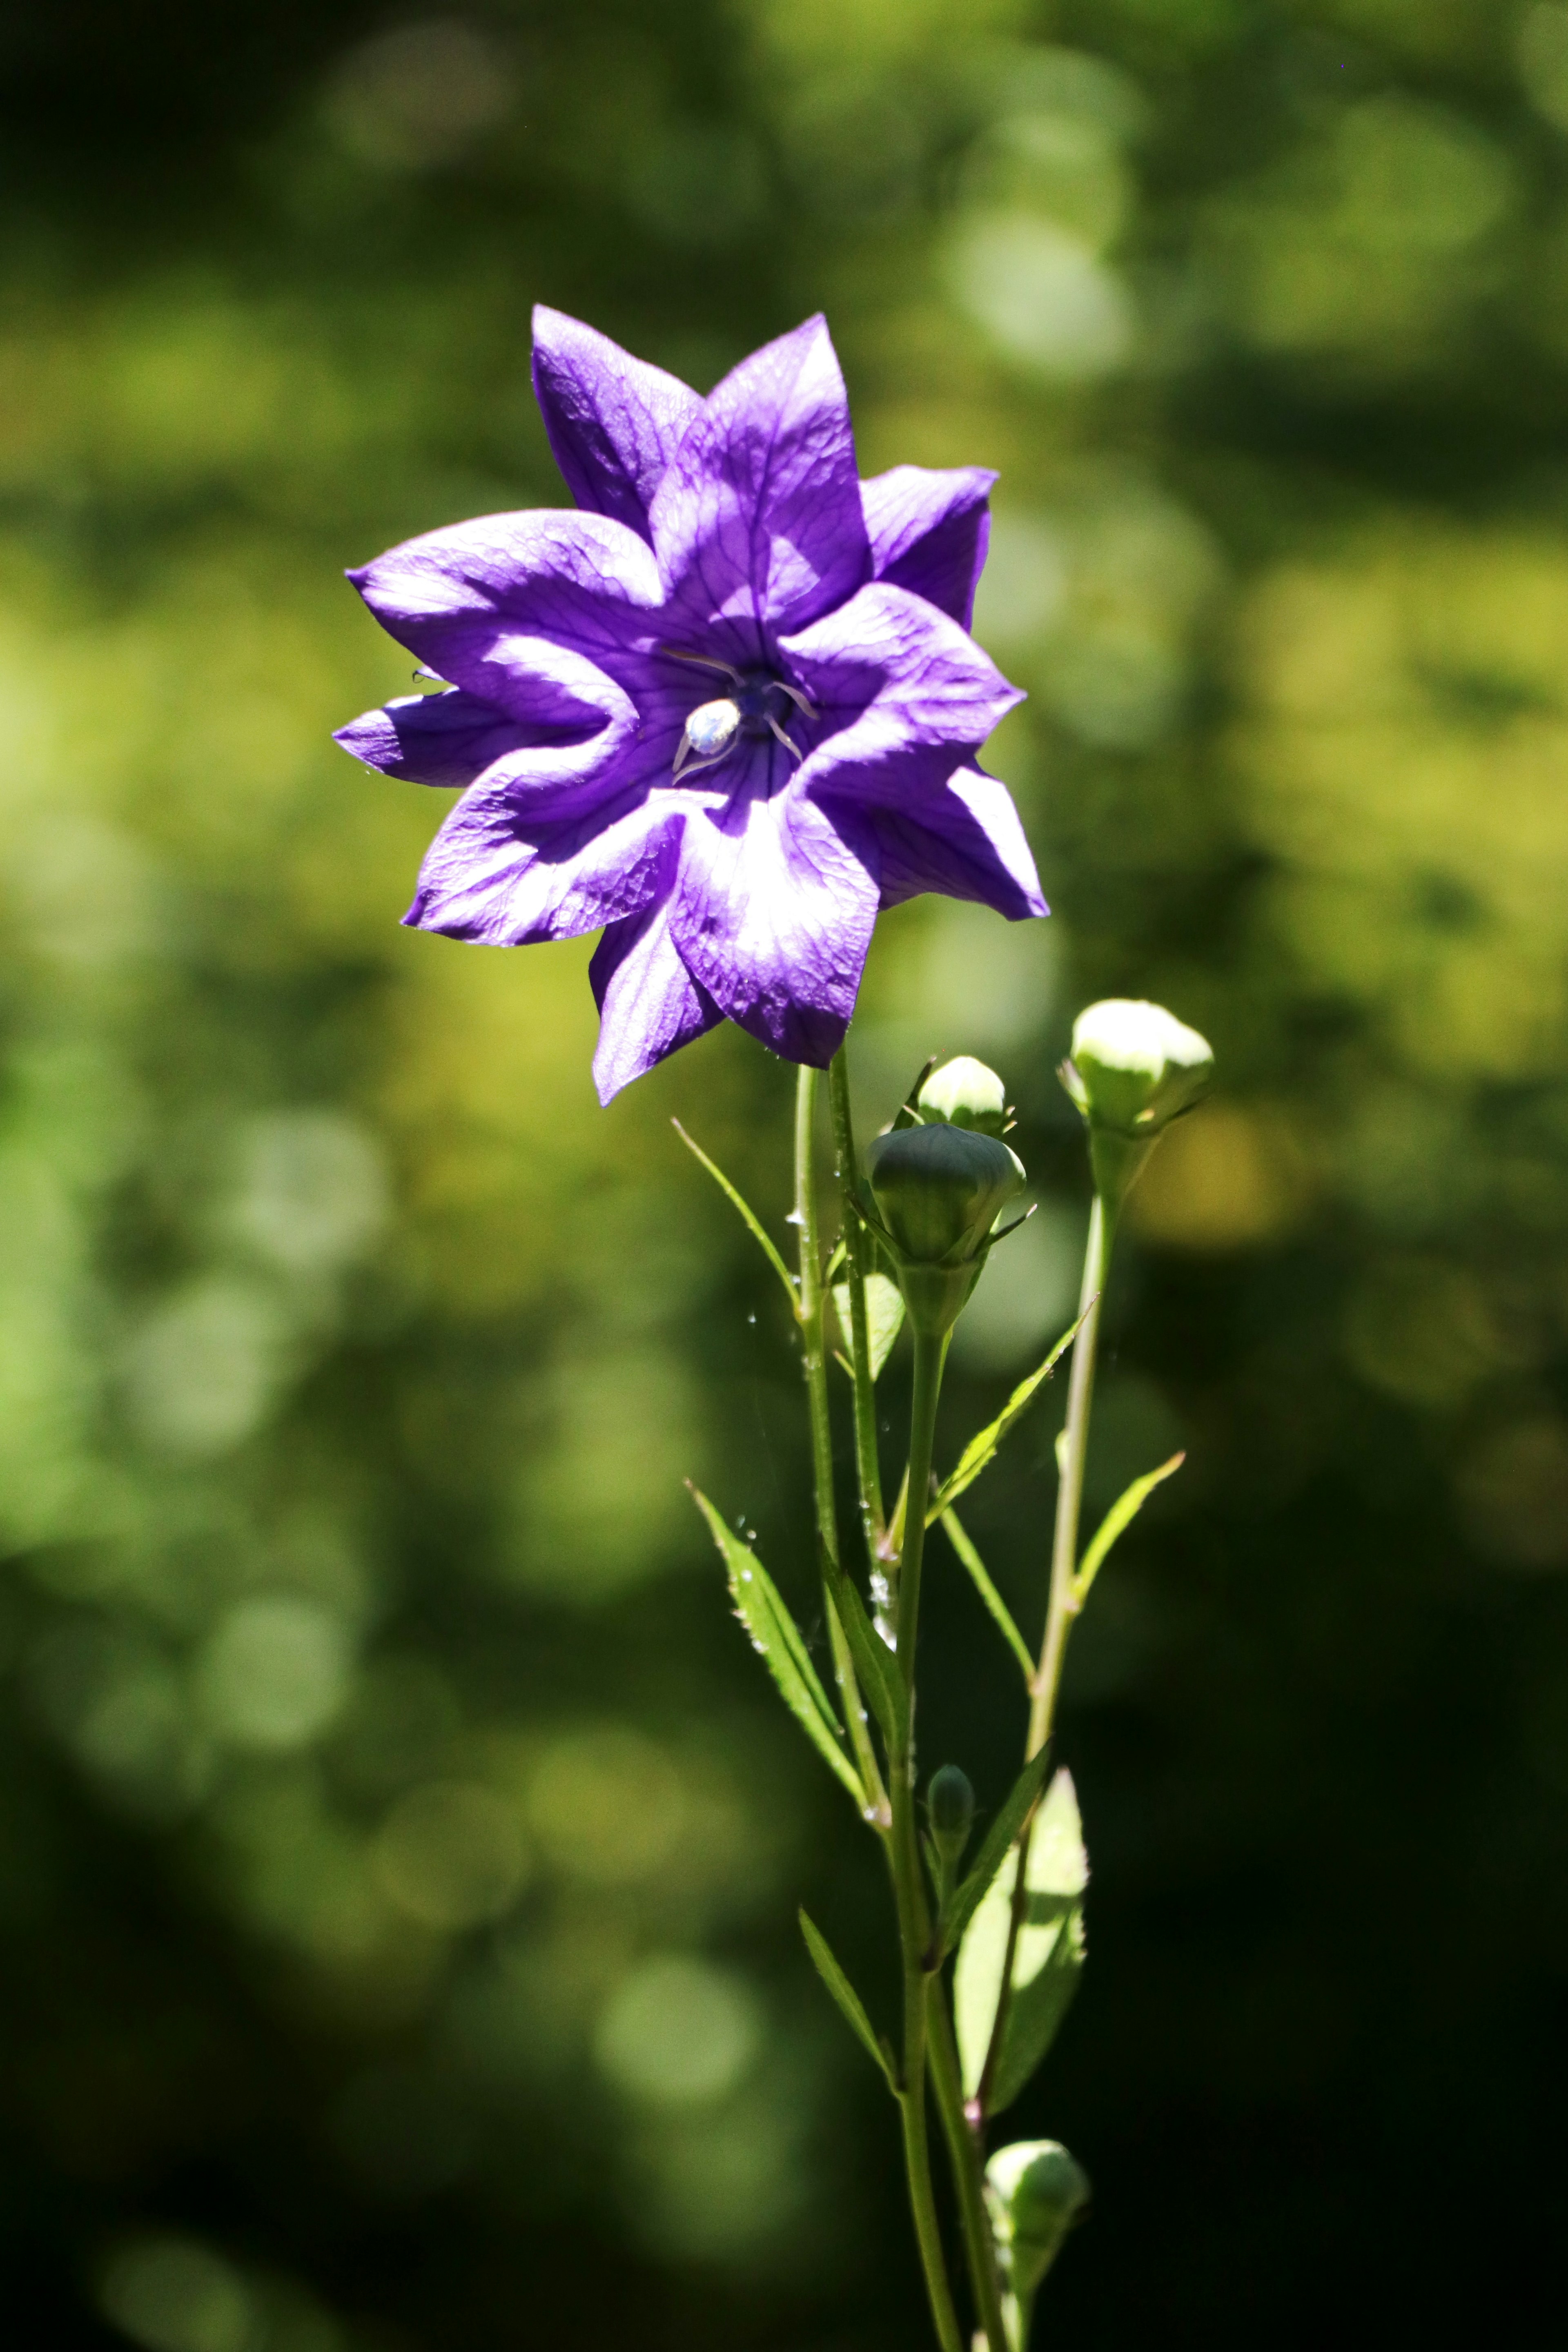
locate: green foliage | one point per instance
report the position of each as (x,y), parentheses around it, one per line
(981,1448)
(749,1217)
(848,2000)
(884,1317)
(981,1578)
(1117,1520)
(776,1636)
(998,1838)
(1047,1956)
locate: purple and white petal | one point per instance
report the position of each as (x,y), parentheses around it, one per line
(903,693)
(772,912)
(613,422)
(649,1005)
(964,842)
(450,739)
(476,602)
(928,532)
(758,524)
(582,744)
(491,875)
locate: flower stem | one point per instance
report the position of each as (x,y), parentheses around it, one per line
(894,1819)
(1063,1604)
(966,2148)
(914,1917)
(858,1249)
(809,1311)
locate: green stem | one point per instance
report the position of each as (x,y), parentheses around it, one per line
(966,2148)
(1062,1608)
(861,1252)
(930,1356)
(809,1311)
(1064,1603)
(914,1917)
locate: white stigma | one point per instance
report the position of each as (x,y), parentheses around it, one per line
(710,729)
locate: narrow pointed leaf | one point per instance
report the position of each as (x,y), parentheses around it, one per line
(1118,1519)
(1047,1960)
(981,1449)
(874,1662)
(994,1848)
(988,1592)
(884,1316)
(848,2000)
(752,1221)
(774,1633)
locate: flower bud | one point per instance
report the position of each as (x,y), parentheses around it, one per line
(1133,1068)
(938,1191)
(1035,2191)
(950,1810)
(965,1093)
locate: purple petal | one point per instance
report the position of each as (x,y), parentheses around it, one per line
(493,605)
(496,875)
(964,842)
(928,532)
(772,915)
(613,422)
(648,1003)
(454,738)
(758,521)
(903,692)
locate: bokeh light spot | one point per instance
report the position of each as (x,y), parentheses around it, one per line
(275,1672)
(679,2031)
(451,1854)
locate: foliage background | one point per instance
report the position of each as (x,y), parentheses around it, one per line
(399,1842)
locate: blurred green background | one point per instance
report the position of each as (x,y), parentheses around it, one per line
(399,1843)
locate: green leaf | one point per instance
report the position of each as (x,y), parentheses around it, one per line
(994,1848)
(848,2000)
(874,1662)
(1116,1521)
(884,1316)
(981,1449)
(754,1223)
(1046,1961)
(774,1633)
(988,1592)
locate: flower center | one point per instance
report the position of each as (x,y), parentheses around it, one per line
(758,704)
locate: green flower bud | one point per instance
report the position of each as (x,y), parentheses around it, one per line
(940,1190)
(950,1809)
(938,1193)
(1134,1068)
(1035,2191)
(965,1093)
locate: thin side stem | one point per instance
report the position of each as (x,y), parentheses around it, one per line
(860,1252)
(809,1311)
(1064,1603)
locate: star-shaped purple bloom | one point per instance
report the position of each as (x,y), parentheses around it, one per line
(725,711)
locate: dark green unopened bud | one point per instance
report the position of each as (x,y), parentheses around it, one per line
(1134,1068)
(950,1809)
(1035,2191)
(938,1191)
(965,1093)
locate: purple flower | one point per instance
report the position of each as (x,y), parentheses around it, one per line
(725,711)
